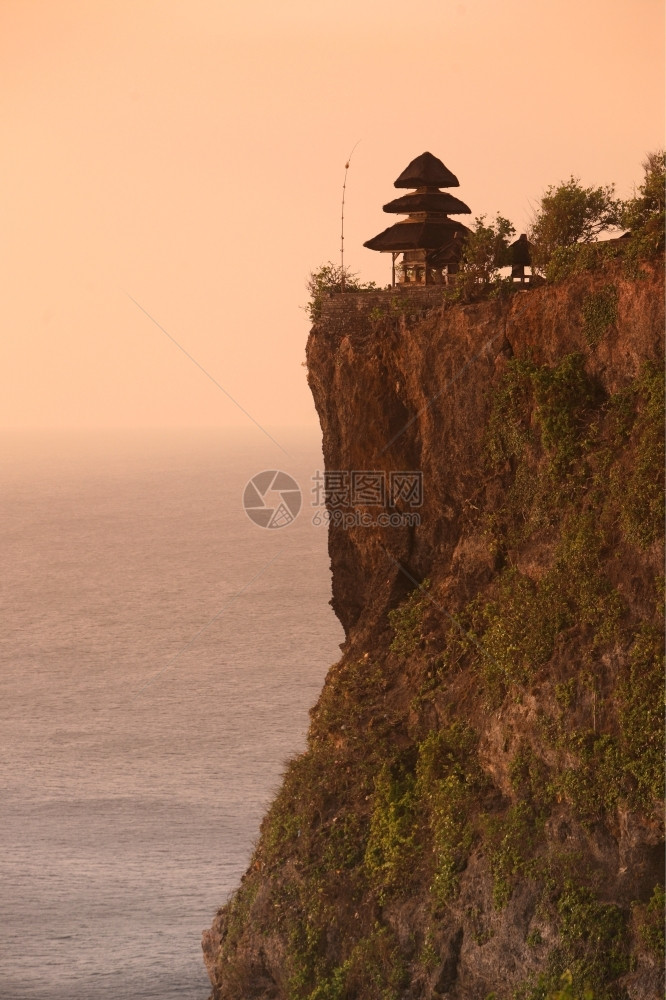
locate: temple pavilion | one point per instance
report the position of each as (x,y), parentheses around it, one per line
(520,257)
(430,242)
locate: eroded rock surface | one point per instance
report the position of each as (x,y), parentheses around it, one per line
(478,808)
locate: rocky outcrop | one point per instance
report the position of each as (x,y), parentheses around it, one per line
(477,810)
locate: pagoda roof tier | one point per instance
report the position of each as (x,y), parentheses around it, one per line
(426,171)
(428,201)
(413,235)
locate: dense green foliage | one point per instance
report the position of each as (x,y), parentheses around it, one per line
(571,216)
(579,258)
(599,313)
(570,213)
(643,214)
(406,621)
(331,279)
(652,927)
(592,952)
(486,250)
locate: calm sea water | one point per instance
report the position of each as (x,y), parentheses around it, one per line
(159,654)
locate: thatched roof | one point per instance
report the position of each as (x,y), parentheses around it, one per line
(424,235)
(449,253)
(426,171)
(428,201)
(520,252)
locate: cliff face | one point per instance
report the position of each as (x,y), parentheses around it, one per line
(478,808)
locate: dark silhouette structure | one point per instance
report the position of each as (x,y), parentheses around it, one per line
(520,257)
(431,243)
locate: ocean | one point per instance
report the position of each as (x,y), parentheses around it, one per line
(159,655)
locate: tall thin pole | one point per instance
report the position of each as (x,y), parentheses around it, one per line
(342,221)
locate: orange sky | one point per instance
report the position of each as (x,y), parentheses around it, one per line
(191,155)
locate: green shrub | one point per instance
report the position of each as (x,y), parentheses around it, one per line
(407,619)
(566,990)
(599,313)
(591,955)
(374,970)
(580,258)
(652,927)
(485,251)
(511,842)
(595,784)
(448,782)
(594,934)
(392,843)
(570,214)
(565,397)
(644,214)
(331,279)
(641,715)
(637,487)
(540,408)
(530,778)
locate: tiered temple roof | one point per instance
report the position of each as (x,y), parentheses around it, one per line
(426,169)
(427,227)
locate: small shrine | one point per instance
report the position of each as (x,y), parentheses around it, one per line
(430,242)
(520,257)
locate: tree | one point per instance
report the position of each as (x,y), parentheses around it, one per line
(485,251)
(328,280)
(644,213)
(568,214)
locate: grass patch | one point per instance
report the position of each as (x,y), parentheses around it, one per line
(407,620)
(641,715)
(579,258)
(374,970)
(449,781)
(591,955)
(652,926)
(511,842)
(392,845)
(637,485)
(599,313)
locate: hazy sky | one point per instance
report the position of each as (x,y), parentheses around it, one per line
(190,154)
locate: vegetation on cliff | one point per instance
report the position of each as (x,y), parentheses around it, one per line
(478,812)
(570,217)
(564,231)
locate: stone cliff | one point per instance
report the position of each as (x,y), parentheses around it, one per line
(478,809)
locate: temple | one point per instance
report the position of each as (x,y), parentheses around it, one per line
(520,257)
(431,243)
